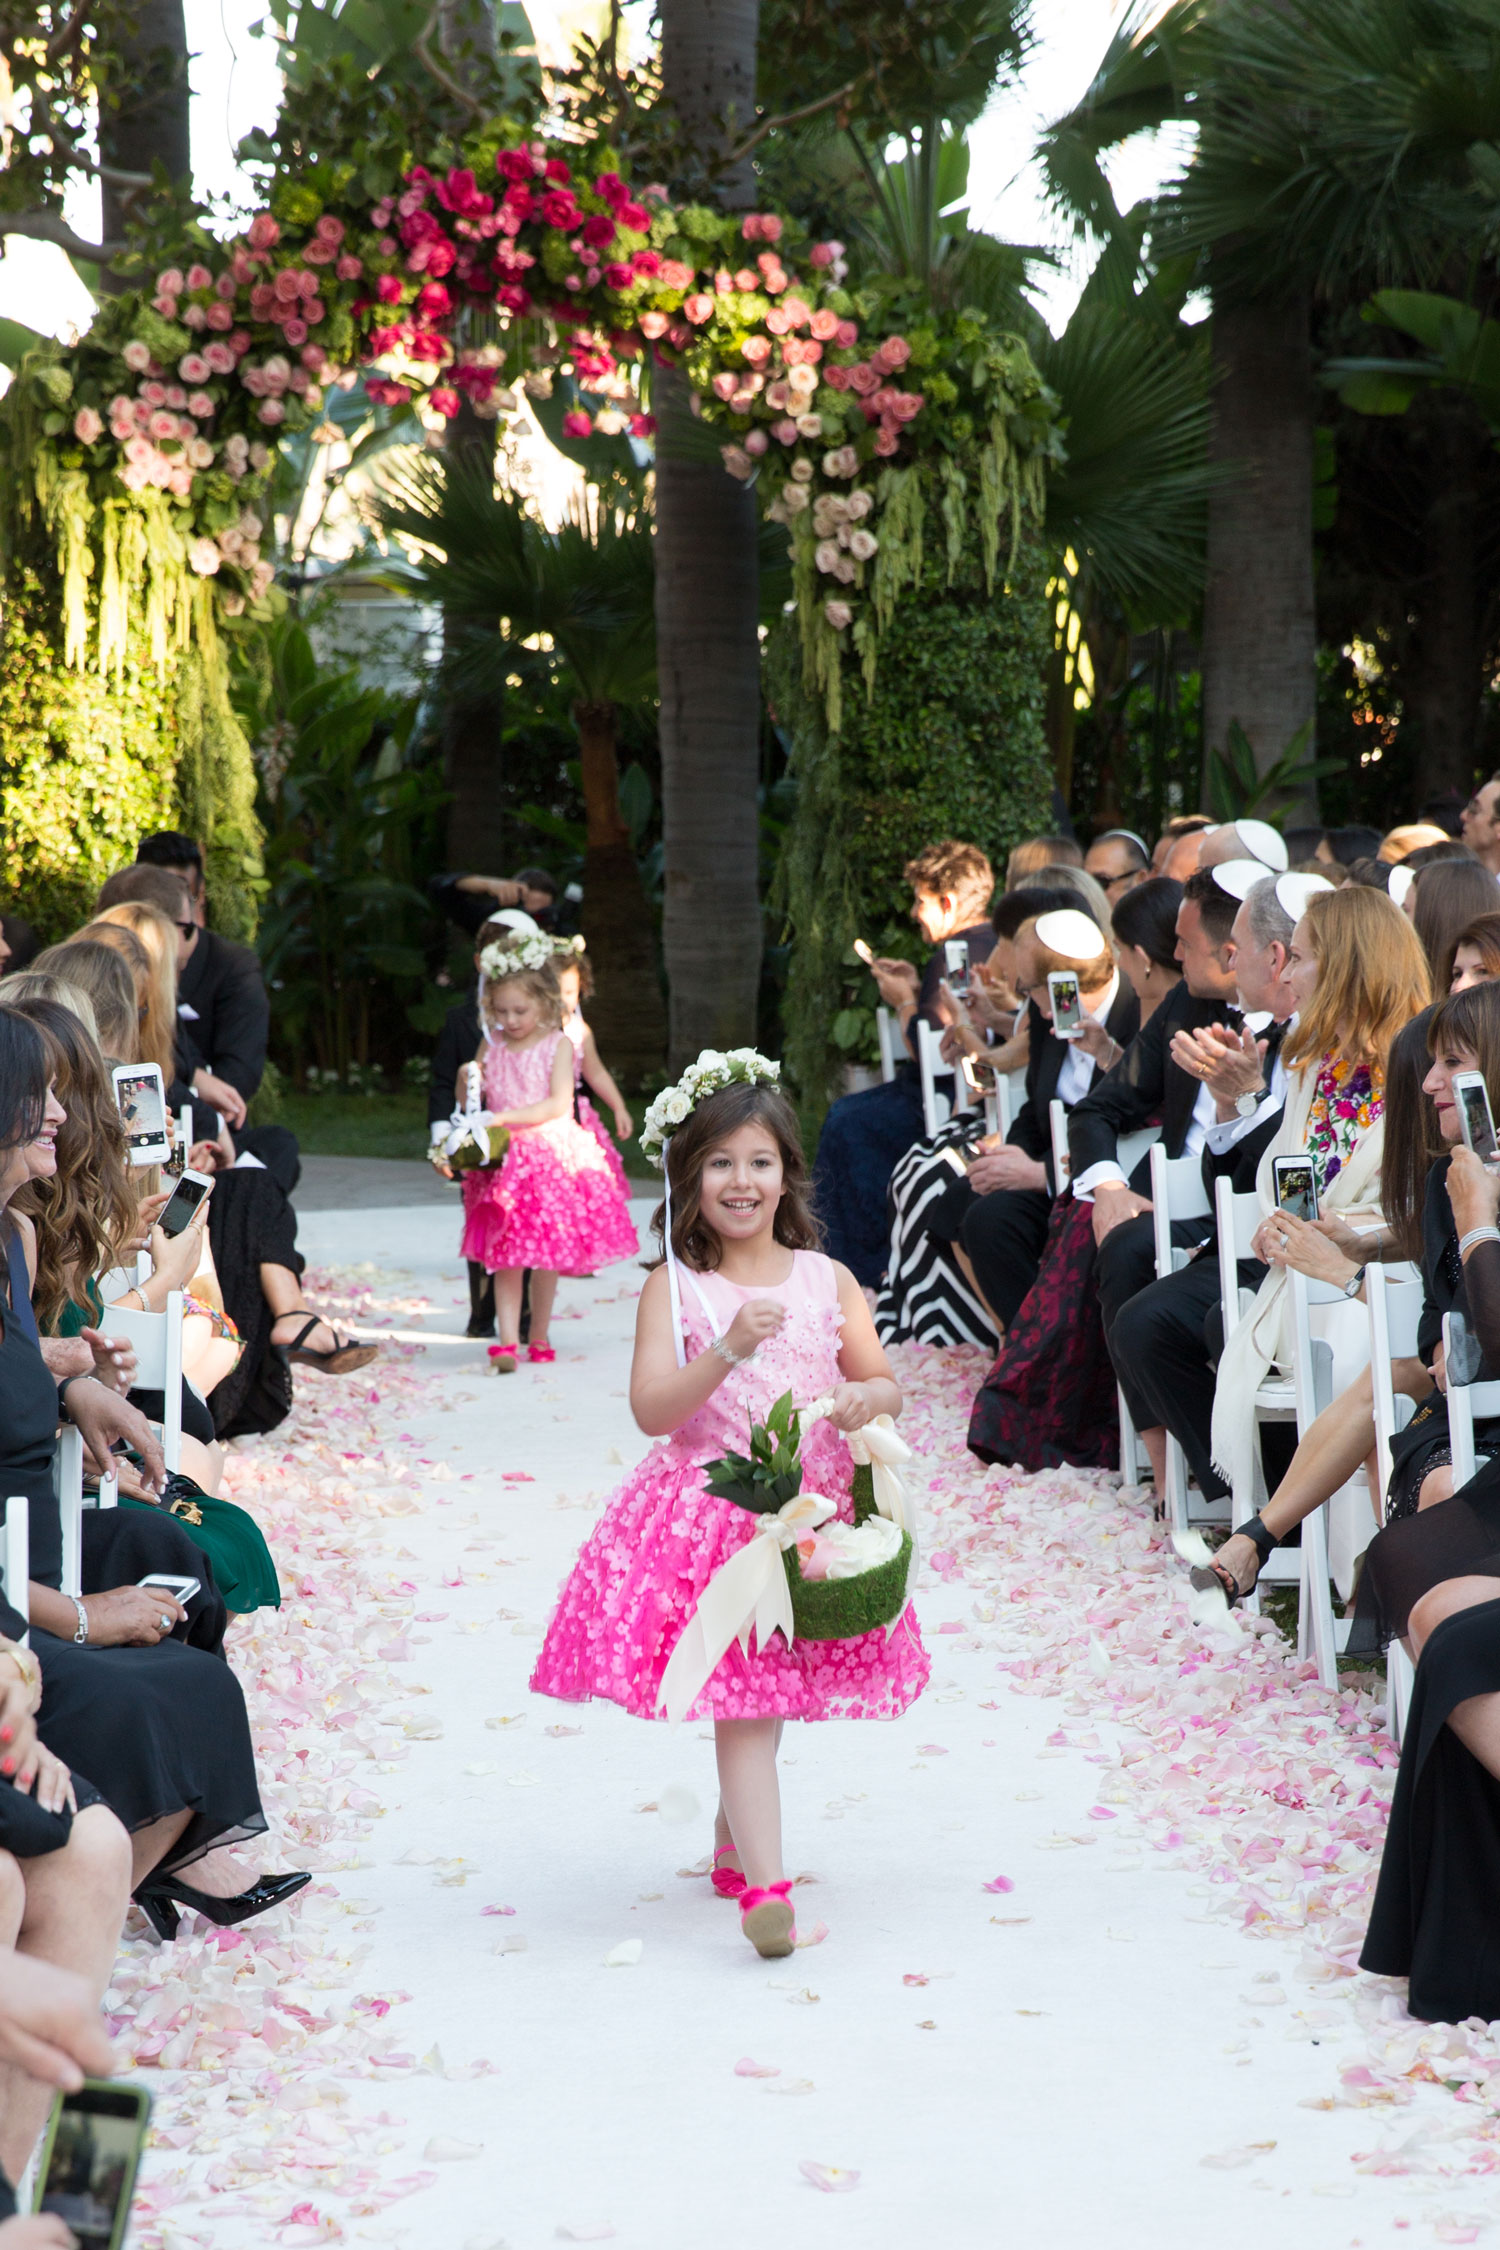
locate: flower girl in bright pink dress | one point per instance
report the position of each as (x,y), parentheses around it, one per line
(553,1204)
(575,980)
(762,1312)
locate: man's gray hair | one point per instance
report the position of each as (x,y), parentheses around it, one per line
(1270,923)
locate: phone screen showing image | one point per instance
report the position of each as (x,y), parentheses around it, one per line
(1296,1188)
(1067,1008)
(92,2154)
(181,1204)
(956,965)
(1474,1110)
(143,1112)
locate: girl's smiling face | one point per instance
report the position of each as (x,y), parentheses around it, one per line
(568,985)
(512,1010)
(741,1184)
(1452,1055)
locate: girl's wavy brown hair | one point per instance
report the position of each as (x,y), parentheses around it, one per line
(694,1242)
(87,1211)
(153,932)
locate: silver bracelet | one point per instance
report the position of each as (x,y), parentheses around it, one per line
(82,1633)
(720,1349)
(1477,1234)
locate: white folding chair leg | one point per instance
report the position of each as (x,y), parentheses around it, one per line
(17,1550)
(1316,1623)
(69,1480)
(1131,1451)
(1400,1679)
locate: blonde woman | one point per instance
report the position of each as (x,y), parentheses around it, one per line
(1358,973)
(157,990)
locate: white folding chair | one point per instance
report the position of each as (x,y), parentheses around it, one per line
(1468,1403)
(157,1338)
(1177,1192)
(1393,1298)
(888,1032)
(936,1107)
(1299,1398)
(15,1546)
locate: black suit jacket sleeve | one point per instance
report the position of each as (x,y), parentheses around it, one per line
(228,992)
(457,1043)
(1129,1096)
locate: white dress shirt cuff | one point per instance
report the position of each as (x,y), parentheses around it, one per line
(1097,1175)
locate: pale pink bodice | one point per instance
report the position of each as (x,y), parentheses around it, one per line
(516,1077)
(802,1357)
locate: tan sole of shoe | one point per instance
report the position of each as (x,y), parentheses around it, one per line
(503,1363)
(771,1929)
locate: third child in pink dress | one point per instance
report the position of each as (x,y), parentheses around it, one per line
(553,1204)
(575,979)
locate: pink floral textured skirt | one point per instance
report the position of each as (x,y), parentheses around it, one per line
(636,1583)
(592,1122)
(554,1205)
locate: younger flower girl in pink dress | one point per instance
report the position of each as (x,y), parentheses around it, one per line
(763,1312)
(553,1204)
(576,983)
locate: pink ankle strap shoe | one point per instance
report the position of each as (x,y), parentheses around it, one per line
(767,1920)
(727,1881)
(540,1354)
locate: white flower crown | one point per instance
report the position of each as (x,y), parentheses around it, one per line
(523,951)
(710,1074)
(565,949)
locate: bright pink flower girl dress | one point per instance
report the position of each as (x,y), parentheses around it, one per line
(553,1204)
(661,1538)
(588,1117)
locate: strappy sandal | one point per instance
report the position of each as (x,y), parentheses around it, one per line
(1208,1576)
(728,1882)
(342,1360)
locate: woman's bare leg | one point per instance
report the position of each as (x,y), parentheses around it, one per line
(150,1846)
(1327,1457)
(1477,1721)
(75,1902)
(283,1294)
(750,1795)
(543,1298)
(1155,1442)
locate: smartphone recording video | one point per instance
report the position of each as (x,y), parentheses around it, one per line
(1296,1187)
(142,1102)
(89,2163)
(956,966)
(1474,1115)
(1067,1005)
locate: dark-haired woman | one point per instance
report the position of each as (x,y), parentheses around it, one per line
(1446,897)
(159,1727)
(1474,957)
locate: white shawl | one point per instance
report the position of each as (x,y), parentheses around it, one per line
(1263,1338)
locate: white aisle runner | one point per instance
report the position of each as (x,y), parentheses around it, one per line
(1065,1995)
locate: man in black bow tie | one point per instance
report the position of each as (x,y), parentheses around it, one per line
(1157,1336)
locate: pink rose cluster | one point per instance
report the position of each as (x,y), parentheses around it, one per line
(883,403)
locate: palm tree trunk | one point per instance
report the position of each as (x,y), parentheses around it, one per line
(473,726)
(708,648)
(1443,680)
(626,1011)
(1259,621)
(151,125)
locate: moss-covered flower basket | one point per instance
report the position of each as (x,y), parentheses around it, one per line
(861,1569)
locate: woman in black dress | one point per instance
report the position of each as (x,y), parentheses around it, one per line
(159,1727)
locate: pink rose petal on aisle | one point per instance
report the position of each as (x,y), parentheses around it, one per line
(931,1750)
(1001,1883)
(830,2179)
(916,1978)
(1101,1812)
(497,1910)
(950,1627)
(747,2068)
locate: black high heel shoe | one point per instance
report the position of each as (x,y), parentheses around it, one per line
(1215,1574)
(159,1902)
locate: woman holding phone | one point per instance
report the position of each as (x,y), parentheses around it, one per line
(1358,973)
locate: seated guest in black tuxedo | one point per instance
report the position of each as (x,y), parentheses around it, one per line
(1157,1338)
(864,1134)
(1001,1214)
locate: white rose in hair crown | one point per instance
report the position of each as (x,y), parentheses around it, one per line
(710,1074)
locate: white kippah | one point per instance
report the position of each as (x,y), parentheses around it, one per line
(1400,883)
(1239,876)
(1264,842)
(1071,932)
(1294,891)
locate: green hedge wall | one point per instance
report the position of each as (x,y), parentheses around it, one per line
(951,743)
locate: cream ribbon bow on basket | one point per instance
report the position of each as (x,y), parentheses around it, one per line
(749,1592)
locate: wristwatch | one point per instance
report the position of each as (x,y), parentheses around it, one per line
(1245,1105)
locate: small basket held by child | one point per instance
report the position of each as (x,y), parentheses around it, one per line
(803,1573)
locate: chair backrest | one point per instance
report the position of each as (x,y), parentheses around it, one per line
(1057,1119)
(1468,1403)
(1177,1192)
(1238,1216)
(67,1481)
(1393,1300)
(930,1063)
(888,1032)
(157,1338)
(15,1546)
(1312,1357)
